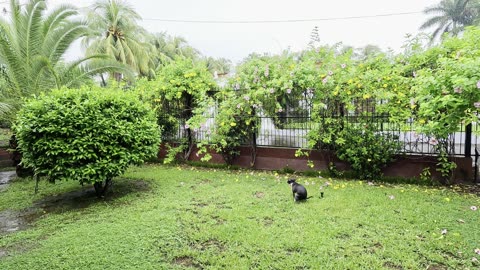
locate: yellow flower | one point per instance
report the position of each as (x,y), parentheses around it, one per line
(233,124)
(447,199)
(366,96)
(359,85)
(421,121)
(385,85)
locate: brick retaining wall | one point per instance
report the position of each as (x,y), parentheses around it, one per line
(408,166)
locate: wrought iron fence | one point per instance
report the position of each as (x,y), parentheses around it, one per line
(290,126)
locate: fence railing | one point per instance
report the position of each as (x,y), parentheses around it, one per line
(289,128)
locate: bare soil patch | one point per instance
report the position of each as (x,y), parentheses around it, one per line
(187,262)
(6,177)
(12,221)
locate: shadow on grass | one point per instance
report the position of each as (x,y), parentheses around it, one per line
(12,221)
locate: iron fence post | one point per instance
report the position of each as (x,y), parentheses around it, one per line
(468,140)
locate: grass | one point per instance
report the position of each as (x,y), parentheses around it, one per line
(196,218)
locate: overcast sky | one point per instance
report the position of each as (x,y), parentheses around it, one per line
(236,41)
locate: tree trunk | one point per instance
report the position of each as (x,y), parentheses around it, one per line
(187,114)
(101,188)
(118,76)
(253,158)
(104,83)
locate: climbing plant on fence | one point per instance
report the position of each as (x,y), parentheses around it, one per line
(346,96)
(447,85)
(431,91)
(180,91)
(262,86)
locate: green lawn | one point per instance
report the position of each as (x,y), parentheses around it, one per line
(191,218)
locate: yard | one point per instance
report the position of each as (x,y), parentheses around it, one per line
(181,217)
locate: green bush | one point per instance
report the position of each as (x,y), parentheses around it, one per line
(89,135)
(366,150)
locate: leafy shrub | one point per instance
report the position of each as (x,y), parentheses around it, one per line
(233,128)
(229,137)
(366,151)
(90,134)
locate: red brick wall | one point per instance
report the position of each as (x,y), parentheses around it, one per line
(5,158)
(279,158)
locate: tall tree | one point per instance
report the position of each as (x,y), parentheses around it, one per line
(166,48)
(33,43)
(314,38)
(218,66)
(366,52)
(451,16)
(115,32)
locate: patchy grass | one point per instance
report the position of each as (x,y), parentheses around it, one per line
(192,218)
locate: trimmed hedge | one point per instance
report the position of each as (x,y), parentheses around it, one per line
(89,135)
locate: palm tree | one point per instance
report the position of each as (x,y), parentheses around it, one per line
(219,66)
(115,32)
(451,16)
(366,52)
(32,45)
(166,48)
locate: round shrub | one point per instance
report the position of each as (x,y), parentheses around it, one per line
(366,150)
(89,135)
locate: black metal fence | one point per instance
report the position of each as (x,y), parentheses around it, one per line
(289,126)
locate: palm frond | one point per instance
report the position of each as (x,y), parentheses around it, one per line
(97,67)
(10,57)
(432,22)
(58,17)
(33,21)
(58,41)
